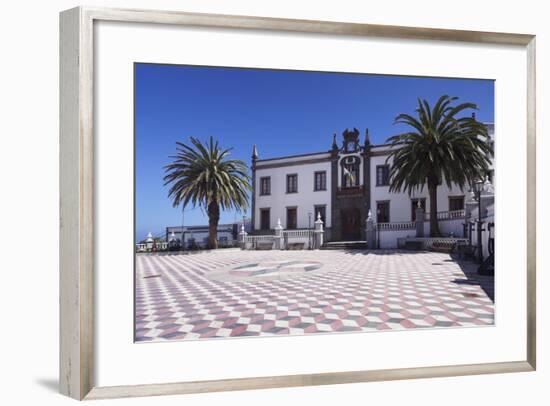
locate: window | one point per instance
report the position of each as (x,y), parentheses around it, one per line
(291,218)
(382,175)
(382,212)
(414,206)
(321,209)
(265,186)
(292,183)
(456,203)
(264,219)
(350,171)
(320,181)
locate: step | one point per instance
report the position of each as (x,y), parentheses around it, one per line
(340,245)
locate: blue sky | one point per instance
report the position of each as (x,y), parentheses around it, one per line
(282,112)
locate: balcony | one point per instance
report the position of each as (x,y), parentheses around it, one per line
(352,191)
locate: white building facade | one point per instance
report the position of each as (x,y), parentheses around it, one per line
(343,185)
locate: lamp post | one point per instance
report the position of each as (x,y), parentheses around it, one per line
(477,189)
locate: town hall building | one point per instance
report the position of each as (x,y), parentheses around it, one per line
(341,185)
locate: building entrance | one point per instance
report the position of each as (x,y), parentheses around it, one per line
(351,224)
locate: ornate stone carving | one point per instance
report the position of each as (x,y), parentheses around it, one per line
(351,140)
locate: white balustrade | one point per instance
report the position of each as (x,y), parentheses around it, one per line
(403,225)
(448,215)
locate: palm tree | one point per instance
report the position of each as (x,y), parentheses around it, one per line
(202,174)
(441,147)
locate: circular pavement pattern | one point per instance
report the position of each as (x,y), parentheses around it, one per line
(268,269)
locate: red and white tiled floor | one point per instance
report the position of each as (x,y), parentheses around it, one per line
(233,293)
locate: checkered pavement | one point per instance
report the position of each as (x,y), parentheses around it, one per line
(232,293)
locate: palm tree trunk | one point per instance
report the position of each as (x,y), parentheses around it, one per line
(213,220)
(434,225)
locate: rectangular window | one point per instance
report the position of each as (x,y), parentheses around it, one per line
(320,181)
(456,203)
(265,219)
(414,206)
(292,183)
(321,210)
(291,218)
(265,185)
(382,175)
(382,212)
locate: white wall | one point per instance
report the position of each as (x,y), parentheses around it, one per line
(448,227)
(400,205)
(388,238)
(305,199)
(29,131)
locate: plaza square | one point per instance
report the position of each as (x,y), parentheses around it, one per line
(234,293)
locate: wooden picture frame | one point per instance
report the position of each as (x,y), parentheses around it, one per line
(77,200)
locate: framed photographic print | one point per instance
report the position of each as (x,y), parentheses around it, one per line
(303,202)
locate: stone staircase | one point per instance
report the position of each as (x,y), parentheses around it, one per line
(345,245)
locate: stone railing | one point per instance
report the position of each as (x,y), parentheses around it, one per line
(285,239)
(403,225)
(258,238)
(259,241)
(298,239)
(297,233)
(448,215)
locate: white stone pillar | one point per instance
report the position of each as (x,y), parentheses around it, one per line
(319,232)
(242,237)
(149,242)
(279,242)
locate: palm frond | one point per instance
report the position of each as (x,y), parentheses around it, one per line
(202,173)
(441,145)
